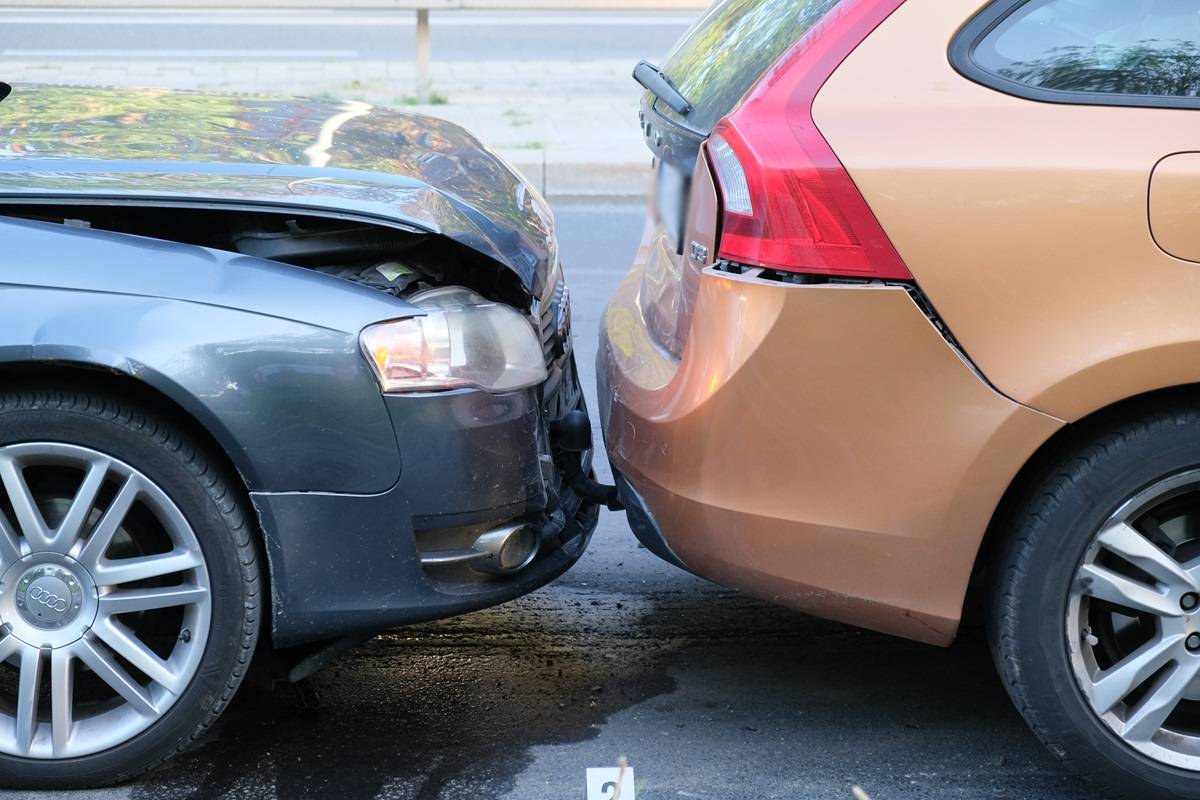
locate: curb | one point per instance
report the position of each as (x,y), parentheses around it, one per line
(623,181)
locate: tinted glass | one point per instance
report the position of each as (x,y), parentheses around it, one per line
(730,47)
(1130,47)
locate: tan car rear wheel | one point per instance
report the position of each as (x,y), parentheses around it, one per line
(1095,620)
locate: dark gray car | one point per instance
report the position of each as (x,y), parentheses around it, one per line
(273,374)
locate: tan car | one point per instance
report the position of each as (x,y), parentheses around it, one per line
(916,321)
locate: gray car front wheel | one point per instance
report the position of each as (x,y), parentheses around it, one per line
(129,590)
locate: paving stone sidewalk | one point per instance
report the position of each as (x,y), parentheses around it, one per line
(570,126)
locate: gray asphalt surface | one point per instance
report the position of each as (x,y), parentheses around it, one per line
(336,35)
(709,694)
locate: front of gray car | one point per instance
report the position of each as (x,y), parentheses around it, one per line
(354,319)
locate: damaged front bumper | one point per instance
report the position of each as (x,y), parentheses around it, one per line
(472,462)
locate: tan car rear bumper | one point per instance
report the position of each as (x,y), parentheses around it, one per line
(821,446)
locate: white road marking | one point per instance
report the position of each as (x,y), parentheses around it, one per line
(180,53)
(402,18)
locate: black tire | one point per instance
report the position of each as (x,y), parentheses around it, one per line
(211,500)
(1110,461)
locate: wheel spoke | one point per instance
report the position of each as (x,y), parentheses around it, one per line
(10,545)
(1127,542)
(1114,684)
(127,570)
(108,670)
(131,600)
(1152,711)
(27,697)
(71,527)
(62,699)
(126,644)
(9,645)
(1153,530)
(1105,584)
(29,516)
(101,537)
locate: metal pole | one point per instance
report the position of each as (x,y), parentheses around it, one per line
(424,79)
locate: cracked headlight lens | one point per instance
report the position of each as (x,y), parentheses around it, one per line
(463,340)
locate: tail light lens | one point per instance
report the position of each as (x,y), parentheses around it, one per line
(789,204)
(735,193)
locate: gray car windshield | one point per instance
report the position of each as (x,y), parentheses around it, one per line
(730,48)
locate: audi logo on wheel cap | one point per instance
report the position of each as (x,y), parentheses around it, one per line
(49,596)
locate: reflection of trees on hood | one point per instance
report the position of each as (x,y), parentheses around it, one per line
(165,126)
(1146,68)
(154,124)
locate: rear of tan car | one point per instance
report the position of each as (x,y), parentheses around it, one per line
(981,363)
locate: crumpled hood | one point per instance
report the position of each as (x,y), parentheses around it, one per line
(382,165)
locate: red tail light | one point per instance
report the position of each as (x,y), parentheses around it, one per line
(789,204)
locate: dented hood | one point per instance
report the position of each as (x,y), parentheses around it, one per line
(310,156)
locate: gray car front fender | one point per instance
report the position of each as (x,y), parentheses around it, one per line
(263,355)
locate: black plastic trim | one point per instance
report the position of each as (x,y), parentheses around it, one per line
(962,51)
(655,81)
(643,524)
(5,90)
(668,140)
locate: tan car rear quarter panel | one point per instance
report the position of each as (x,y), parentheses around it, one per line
(822,447)
(1024,222)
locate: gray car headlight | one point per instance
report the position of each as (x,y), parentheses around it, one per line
(463,340)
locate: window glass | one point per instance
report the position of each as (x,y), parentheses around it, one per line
(1129,47)
(729,49)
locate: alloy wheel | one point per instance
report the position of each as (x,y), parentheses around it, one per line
(1133,622)
(104,601)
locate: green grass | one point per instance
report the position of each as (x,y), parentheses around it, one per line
(518,118)
(435,99)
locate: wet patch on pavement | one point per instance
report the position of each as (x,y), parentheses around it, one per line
(774,704)
(442,710)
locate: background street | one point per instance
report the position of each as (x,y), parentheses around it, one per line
(551,91)
(710,695)
(315,35)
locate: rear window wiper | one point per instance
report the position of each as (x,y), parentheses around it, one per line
(658,84)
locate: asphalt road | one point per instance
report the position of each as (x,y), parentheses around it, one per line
(709,694)
(335,35)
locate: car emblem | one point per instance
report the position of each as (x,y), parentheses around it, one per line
(698,252)
(562,323)
(49,597)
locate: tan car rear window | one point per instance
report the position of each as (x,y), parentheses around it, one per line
(1149,48)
